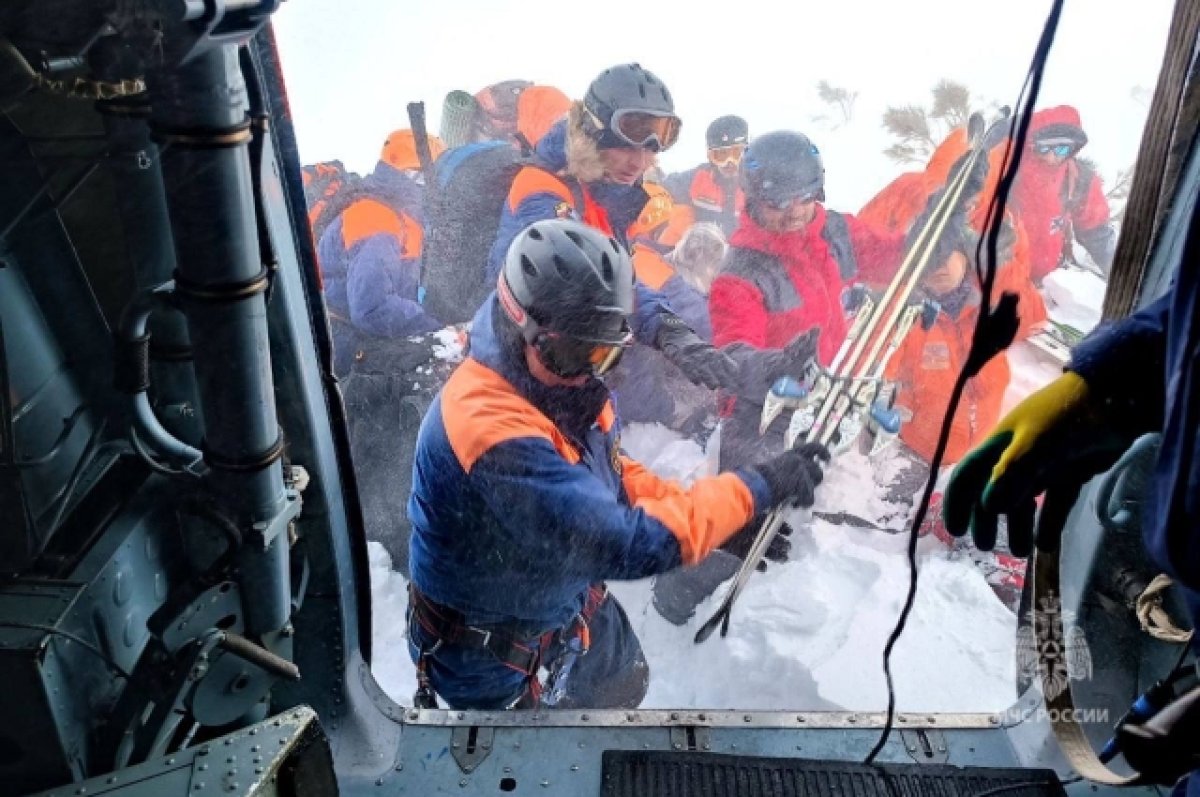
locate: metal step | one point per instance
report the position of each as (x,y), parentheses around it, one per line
(633,773)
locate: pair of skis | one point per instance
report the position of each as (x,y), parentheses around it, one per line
(833,405)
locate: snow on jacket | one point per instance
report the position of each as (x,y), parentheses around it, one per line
(774,286)
(1057,201)
(521,498)
(901,203)
(370,258)
(712,196)
(925,368)
(566,183)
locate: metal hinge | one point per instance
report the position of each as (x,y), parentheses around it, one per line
(691,737)
(926,746)
(471,745)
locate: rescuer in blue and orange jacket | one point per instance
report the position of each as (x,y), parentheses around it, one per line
(711,189)
(370,259)
(589,167)
(370,256)
(523,504)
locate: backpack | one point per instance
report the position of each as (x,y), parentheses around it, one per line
(462,215)
(334,188)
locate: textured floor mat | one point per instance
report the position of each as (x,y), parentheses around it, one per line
(632,773)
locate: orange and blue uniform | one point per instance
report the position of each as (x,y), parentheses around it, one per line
(370,258)
(712,197)
(538,192)
(522,501)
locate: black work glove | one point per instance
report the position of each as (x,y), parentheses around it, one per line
(778,551)
(794,475)
(795,357)
(699,361)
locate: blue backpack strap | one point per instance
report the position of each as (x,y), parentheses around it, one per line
(450,161)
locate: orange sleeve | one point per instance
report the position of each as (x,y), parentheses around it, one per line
(367,217)
(701,517)
(1015,276)
(531,181)
(651,269)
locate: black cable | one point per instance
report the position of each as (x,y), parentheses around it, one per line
(987,340)
(83,643)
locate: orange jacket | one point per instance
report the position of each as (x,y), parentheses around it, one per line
(924,369)
(898,205)
(901,201)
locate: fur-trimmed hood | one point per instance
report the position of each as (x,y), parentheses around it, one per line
(568,149)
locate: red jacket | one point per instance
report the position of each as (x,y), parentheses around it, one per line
(1054,199)
(773,286)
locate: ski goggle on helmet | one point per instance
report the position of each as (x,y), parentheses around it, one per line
(726,156)
(1061,150)
(646,130)
(570,357)
(787,203)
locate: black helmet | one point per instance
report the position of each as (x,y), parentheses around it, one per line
(726,131)
(569,288)
(630,107)
(781,166)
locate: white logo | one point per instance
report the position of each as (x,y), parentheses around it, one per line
(1066,659)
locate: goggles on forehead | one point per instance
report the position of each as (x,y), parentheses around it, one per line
(641,129)
(723,155)
(570,357)
(1061,150)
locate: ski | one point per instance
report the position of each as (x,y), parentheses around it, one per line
(833,401)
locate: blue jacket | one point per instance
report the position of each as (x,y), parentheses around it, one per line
(521,498)
(647,386)
(370,259)
(537,194)
(1146,363)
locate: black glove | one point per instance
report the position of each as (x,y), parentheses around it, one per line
(700,362)
(778,551)
(795,357)
(794,475)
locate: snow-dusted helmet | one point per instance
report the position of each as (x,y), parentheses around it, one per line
(727,137)
(781,168)
(629,107)
(569,289)
(725,131)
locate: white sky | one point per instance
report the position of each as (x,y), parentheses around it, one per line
(352,65)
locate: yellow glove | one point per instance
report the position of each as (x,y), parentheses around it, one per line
(1053,442)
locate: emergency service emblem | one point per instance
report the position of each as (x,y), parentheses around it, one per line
(1067,658)
(563,210)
